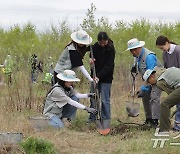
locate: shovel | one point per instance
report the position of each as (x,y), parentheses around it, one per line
(103,125)
(132,108)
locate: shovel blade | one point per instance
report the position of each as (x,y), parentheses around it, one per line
(103,126)
(104,131)
(132,109)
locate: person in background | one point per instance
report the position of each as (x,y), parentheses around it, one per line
(104,54)
(72,56)
(171,57)
(9,66)
(36,67)
(167,80)
(1,71)
(62,100)
(145,59)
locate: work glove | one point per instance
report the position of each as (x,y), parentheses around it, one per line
(91,110)
(140,93)
(133,69)
(91,95)
(144,88)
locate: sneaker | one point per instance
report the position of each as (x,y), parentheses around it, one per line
(153,123)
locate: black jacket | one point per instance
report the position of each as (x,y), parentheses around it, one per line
(104,61)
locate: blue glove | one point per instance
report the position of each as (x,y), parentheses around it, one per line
(141,92)
(145,88)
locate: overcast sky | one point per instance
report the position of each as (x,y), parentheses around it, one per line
(43,13)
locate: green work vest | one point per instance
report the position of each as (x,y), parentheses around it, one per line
(172,77)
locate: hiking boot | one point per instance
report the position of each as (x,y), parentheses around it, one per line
(151,123)
(154,123)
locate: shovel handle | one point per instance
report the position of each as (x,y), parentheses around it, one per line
(133,83)
(95,87)
(134,74)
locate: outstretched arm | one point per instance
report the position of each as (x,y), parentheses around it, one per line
(85,72)
(80,106)
(76,104)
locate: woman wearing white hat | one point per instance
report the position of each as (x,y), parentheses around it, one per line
(71,57)
(60,102)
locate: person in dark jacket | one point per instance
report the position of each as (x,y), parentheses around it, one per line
(104,55)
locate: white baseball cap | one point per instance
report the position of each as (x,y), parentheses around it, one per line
(134,43)
(147,74)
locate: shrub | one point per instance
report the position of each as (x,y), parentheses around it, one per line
(37,146)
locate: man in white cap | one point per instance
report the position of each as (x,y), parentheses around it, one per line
(62,100)
(145,59)
(72,56)
(167,80)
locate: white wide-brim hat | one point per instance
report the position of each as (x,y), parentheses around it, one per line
(81,37)
(68,75)
(134,43)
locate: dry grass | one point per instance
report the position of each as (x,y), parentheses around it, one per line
(80,137)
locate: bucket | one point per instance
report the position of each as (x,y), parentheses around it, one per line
(39,123)
(132,109)
(10,138)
